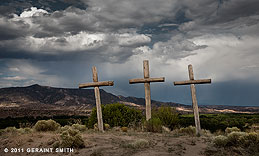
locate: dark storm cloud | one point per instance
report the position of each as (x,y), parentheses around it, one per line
(117,17)
(72,20)
(58,45)
(12,29)
(220,12)
(231,10)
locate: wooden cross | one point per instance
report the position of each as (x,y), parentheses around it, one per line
(194,99)
(96,86)
(146,82)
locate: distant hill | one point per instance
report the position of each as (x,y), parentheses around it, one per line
(36,100)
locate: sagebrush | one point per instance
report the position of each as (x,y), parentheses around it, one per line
(46,125)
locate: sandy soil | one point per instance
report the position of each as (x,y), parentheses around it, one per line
(111,143)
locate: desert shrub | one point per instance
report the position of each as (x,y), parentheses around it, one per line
(64,128)
(24,130)
(234,138)
(233,129)
(124,129)
(255,127)
(10,130)
(107,126)
(70,138)
(238,143)
(46,125)
(190,130)
(251,138)
(220,140)
(168,116)
(79,127)
(153,125)
(96,127)
(15,130)
(27,130)
(140,143)
(116,115)
(250,142)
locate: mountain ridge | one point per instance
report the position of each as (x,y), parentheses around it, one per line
(37,100)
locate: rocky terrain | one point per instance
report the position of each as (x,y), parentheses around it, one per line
(36,100)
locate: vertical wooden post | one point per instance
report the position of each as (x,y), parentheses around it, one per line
(96,86)
(146,82)
(194,99)
(98,100)
(147,90)
(194,103)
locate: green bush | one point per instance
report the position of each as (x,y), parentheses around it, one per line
(96,127)
(220,140)
(107,126)
(15,130)
(249,139)
(124,129)
(233,129)
(71,138)
(46,125)
(255,127)
(10,130)
(24,130)
(241,143)
(168,116)
(190,130)
(79,127)
(234,138)
(64,128)
(237,139)
(153,125)
(116,115)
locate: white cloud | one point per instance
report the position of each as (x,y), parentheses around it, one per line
(14,69)
(15,78)
(226,56)
(176,48)
(69,43)
(127,39)
(33,12)
(111,46)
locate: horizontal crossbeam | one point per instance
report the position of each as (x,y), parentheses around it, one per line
(161,79)
(202,81)
(96,84)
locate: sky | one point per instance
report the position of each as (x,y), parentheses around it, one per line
(56,43)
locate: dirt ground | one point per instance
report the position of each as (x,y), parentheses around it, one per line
(110,143)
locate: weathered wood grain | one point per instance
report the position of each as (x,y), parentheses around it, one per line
(146,80)
(194,98)
(160,79)
(95,84)
(188,82)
